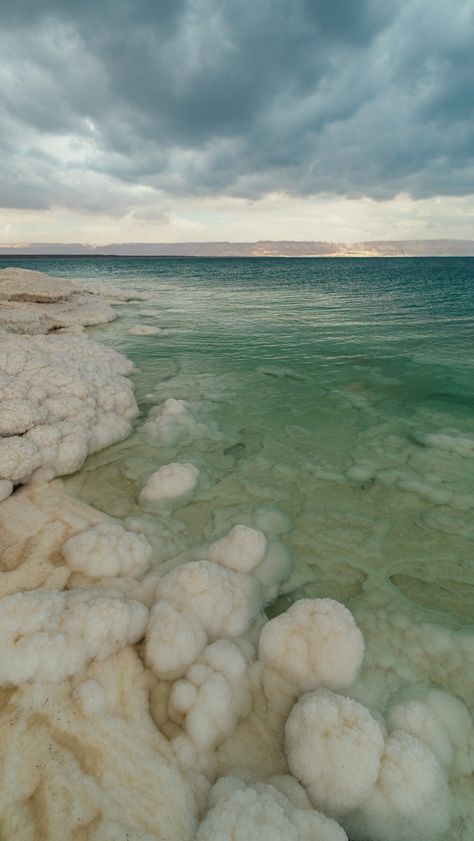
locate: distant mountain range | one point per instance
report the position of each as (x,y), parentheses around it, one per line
(262,248)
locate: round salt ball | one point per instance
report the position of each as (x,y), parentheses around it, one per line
(170,484)
(225,602)
(316,642)
(107,550)
(334,747)
(241,550)
(173,641)
(411,800)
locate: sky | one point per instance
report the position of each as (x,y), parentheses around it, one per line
(197,120)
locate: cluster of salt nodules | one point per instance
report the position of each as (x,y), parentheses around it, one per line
(242,717)
(61,398)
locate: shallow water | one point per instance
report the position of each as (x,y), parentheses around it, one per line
(339,392)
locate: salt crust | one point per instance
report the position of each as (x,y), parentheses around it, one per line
(61,398)
(121,750)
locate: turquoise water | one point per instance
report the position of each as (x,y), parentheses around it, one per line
(331,403)
(339,391)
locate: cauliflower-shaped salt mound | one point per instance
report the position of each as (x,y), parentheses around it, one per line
(171,484)
(225,602)
(212,696)
(107,550)
(241,550)
(261,812)
(173,641)
(61,398)
(26,285)
(411,800)
(144,330)
(439,720)
(48,635)
(316,642)
(334,747)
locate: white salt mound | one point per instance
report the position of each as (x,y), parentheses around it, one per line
(261,812)
(224,601)
(334,747)
(170,484)
(48,635)
(411,800)
(315,643)
(107,550)
(241,550)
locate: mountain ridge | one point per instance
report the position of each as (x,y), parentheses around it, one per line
(260,248)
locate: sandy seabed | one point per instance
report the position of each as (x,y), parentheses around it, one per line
(147,699)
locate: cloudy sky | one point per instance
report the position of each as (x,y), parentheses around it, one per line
(175,120)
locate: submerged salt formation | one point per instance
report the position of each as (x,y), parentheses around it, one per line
(153,700)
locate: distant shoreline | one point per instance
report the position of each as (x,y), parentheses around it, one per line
(59,256)
(286,249)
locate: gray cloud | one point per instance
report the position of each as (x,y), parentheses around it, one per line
(203,97)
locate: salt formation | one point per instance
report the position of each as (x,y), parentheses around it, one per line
(144,330)
(160,703)
(107,550)
(61,398)
(263,812)
(174,421)
(170,485)
(315,643)
(49,635)
(32,302)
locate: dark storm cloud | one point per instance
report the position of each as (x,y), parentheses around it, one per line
(203,97)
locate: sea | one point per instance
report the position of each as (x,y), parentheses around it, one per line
(332,404)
